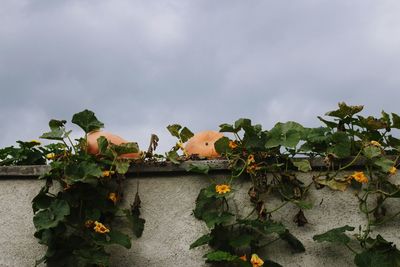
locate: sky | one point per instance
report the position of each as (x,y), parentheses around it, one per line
(142,65)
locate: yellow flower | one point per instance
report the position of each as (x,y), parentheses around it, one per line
(256,261)
(393,170)
(113,197)
(51,156)
(89,224)
(243,258)
(222,188)
(360,177)
(375,143)
(36,142)
(100,228)
(232,144)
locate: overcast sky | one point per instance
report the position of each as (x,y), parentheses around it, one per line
(141,65)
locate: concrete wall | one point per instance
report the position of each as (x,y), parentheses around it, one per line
(167,203)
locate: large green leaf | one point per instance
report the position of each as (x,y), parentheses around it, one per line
(384,163)
(371,151)
(84,172)
(213,218)
(286,134)
(380,253)
(51,216)
(241,241)
(242,123)
(90,256)
(57,130)
(87,121)
(396,121)
(116,237)
(122,166)
(336,235)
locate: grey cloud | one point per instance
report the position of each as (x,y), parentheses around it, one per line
(142,65)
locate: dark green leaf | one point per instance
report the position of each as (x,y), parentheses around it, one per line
(227,128)
(381,253)
(345,111)
(51,216)
(241,241)
(212,218)
(119,238)
(185,134)
(222,145)
(294,243)
(174,129)
(220,256)
(242,123)
(396,121)
(90,256)
(336,235)
(122,166)
(87,121)
(201,241)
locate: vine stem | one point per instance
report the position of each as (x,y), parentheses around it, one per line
(351,249)
(351,163)
(387,219)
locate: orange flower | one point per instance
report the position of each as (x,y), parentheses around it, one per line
(113,197)
(250,159)
(256,261)
(375,143)
(243,258)
(107,173)
(393,170)
(359,177)
(89,224)
(100,228)
(222,188)
(232,144)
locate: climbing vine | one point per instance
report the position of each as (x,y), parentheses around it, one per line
(75,212)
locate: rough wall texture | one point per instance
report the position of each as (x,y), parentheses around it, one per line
(167,203)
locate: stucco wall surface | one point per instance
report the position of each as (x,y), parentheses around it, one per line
(167,204)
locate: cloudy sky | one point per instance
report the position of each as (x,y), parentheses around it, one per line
(141,65)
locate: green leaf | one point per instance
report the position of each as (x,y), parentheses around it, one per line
(87,121)
(125,148)
(384,163)
(294,243)
(42,200)
(51,216)
(122,166)
(242,123)
(213,218)
(220,255)
(371,151)
(173,157)
(241,241)
(90,256)
(185,134)
(84,172)
(201,241)
(302,165)
(286,134)
(119,238)
(137,223)
(267,227)
(341,145)
(102,143)
(336,235)
(222,145)
(203,200)
(344,111)
(198,168)
(227,128)
(174,129)
(396,121)
(330,124)
(380,253)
